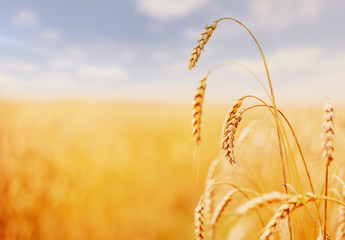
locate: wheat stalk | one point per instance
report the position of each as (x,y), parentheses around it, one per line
(194,57)
(328,149)
(199,220)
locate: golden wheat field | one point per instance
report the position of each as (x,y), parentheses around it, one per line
(117,170)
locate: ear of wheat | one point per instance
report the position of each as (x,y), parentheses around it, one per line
(194,57)
(328,135)
(199,220)
(328,150)
(197,109)
(233,110)
(293,203)
(229,137)
(288,202)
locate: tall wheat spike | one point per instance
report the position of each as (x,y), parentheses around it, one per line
(328,134)
(197,109)
(194,57)
(328,149)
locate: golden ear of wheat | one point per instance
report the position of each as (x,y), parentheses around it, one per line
(229,137)
(328,134)
(199,220)
(290,205)
(197,109)
(233,110)
(194,57)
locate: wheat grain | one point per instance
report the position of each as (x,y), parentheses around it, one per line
(194,57)
(197,109)
(199,220)
(258,202)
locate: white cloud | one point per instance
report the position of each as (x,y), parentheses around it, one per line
(280,14)
(88,70)
(50,35)
(192,33)
(25,17)
(64,63)
(176,67)
(304,73)
(167,9)
(101,72)
(160,55)
(20,67)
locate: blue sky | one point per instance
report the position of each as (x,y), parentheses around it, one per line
(139,49)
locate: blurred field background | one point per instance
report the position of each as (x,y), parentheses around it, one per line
(120,170)
(103,165)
